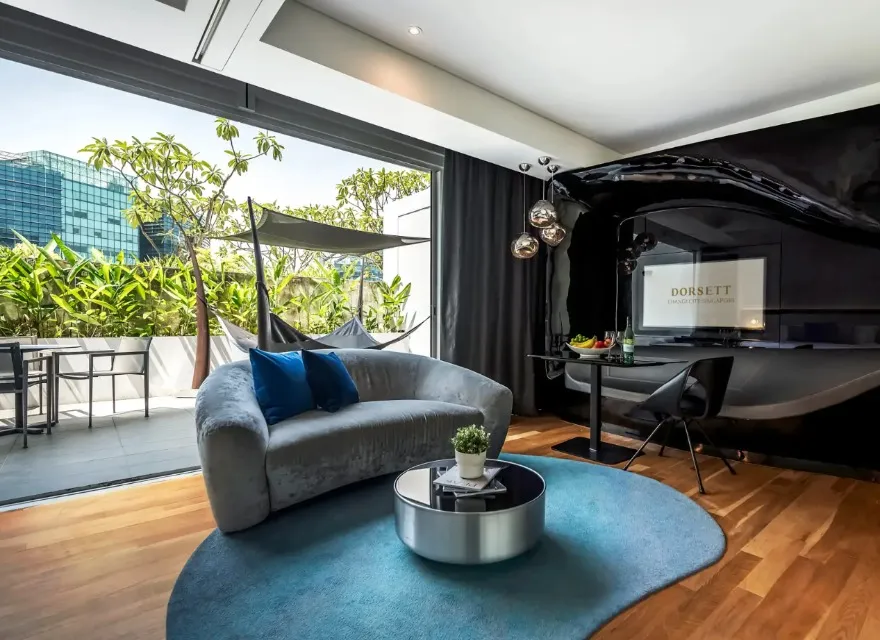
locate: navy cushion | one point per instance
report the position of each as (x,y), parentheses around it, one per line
(329,380)
(280,384)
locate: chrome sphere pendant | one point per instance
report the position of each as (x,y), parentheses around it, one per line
(554,234)
(525,246)
(543,214)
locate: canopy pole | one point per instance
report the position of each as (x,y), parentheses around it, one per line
(361,290)
(263,325)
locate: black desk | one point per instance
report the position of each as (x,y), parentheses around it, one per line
(593,448)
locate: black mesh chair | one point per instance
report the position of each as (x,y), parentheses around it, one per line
(696,393)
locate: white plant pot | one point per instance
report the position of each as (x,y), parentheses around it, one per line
(470,465)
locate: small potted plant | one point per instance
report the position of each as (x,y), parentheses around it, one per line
(470,445)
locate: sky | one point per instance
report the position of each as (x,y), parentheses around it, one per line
(57,113)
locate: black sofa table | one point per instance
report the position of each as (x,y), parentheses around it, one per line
(593,448)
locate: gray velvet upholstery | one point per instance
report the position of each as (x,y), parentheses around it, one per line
(312,453)
(410,407)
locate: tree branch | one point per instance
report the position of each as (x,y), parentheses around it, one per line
(144,232)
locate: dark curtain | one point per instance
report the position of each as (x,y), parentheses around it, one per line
(591,292)
(492,304)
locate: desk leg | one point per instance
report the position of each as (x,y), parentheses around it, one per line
(595,413)
(593,448)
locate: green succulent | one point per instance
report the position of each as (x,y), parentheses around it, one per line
(471,439)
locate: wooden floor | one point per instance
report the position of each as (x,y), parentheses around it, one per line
(802,560)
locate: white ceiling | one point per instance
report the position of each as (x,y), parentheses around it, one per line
(155,26)
(640,73)
(581,81)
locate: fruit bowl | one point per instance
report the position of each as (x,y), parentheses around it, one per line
(589,353)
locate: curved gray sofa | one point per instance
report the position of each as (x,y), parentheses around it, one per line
(410,408)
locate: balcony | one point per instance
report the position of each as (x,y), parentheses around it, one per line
(119,448)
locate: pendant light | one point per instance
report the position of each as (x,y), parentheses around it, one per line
(555,233)
(543,214)
(525,245)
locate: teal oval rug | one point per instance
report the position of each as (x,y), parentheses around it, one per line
(334,568)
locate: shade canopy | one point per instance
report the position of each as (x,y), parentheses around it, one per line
(297,233)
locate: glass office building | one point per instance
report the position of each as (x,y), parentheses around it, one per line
(93,203)
(43,193)
(30,200)
(164,236)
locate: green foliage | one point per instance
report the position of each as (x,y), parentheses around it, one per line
(471,439)
(333,293)
(53,291)
(361,198)
(25,278)
(167,178)
(388,314)
(171,180)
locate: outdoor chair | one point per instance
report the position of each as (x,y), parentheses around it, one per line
(40,376)
(15,378)
(132,358)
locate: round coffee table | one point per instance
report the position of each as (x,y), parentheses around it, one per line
(479,530)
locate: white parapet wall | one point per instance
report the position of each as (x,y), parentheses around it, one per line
(171,368)
(411,216)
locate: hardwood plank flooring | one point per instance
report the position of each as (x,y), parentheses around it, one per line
(802,559)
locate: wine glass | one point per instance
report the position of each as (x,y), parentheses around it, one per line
(612,336)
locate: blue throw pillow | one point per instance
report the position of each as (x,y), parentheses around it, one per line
(280,384)
(332,386)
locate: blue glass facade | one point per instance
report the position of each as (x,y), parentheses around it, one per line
(163,235)
(93,206)
(30,200)
(43,193)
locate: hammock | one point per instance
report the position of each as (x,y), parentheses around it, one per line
(241,339)
(351,335)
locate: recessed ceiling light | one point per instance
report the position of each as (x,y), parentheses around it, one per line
(414,30)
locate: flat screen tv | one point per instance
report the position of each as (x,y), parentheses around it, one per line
(697,295)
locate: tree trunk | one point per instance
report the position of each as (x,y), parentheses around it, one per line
(203,334)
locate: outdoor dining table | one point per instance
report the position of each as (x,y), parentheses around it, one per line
(51,418)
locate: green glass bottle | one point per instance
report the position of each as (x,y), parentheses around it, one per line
(629,343)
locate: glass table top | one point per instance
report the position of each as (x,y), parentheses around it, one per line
(417,486)
(605,361)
